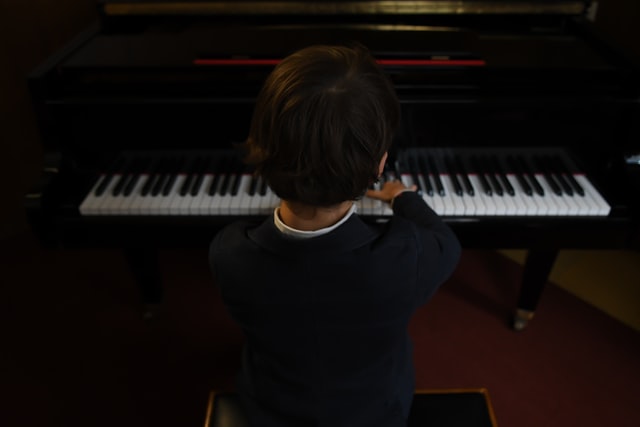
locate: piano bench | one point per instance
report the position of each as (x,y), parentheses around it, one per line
(432,408)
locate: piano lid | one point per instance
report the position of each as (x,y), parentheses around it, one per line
(342,8)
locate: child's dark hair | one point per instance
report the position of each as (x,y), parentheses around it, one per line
(322,122)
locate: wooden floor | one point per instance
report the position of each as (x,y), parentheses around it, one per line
(608,280)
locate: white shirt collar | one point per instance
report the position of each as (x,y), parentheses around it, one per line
(301,234)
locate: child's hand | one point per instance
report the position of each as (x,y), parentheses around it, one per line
(390,189)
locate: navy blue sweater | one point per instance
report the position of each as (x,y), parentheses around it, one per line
(326,318)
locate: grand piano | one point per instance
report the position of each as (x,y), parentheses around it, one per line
(519,123)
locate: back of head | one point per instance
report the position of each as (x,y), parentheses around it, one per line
(322,122)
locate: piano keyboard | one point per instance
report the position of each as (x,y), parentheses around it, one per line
(455,182)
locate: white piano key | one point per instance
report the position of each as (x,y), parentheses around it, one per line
(429,200)
(224,201)
(407,180)
(377,206)
(138,201)
(183,208)
(450,207)
(255,201)
(109,202)
(128,207)
(572,204)
(236,200)
(264,202)
(470,201)
(460,205)
(510,204)
(366,206)
(544,207)
(119,204)
(197,199)
(203,201)
(214,205)
(525,204)
(244,205)
(272,201)
(583,205)
(557,206)
(599,206)
(435,201)
(156,205)
(172,202)
(483,201)
(91,202)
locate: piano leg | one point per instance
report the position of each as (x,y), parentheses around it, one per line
(143,263)
(537,268)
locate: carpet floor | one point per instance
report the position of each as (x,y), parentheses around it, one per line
(76,350)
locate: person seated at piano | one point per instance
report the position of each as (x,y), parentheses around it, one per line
(324,298)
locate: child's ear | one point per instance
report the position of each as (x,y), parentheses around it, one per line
(382,163)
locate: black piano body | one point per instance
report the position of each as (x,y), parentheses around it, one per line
(158,80)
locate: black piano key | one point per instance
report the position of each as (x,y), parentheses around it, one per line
(397,169)
(564,171)
(231,181)
(115,168)
(425,175)
(191,173)
(562,175)
(413,171)
(152,179)
(186,185)
(163,185)
(103,184)
(125,176)
(253,185)
(480,170)
(139,167)
(491,174)
(496,184)
(117,189)
(500,173)
(215,182)
(228,177)
(532,179)
(519,175)
(160,184)
(217,173)
(168,184)
(238,172)
(263,187)
(387,173)
(197,182)
(226,183)
(436,176)
(392,171)
(131,184)
(547,175)
(454,175)
(156,180)
(465,176)
(194,173)
(149,184)
(172,175)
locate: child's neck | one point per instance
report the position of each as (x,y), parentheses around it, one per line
(309,218)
